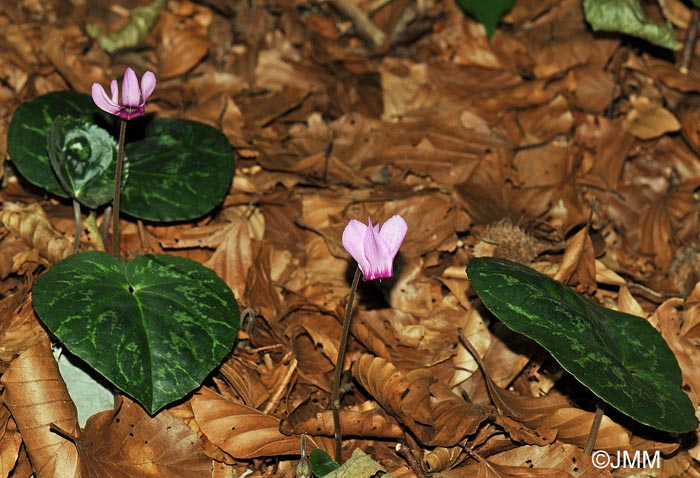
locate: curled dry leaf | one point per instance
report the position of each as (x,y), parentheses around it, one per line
(365,420)
(244,380)
(37,398)
(441,458)
(32,225)
(240,431)
(434,414)
(127,442)
(577,267)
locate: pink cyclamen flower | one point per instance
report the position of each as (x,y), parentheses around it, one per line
(373,246)
(134,98)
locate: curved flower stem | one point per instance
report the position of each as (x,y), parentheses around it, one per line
(118,190)
(78,226)
(335,389)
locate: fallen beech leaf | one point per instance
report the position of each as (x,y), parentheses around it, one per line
(183,43)
(648,120)
(365,421)
(234,257)
(10,442)
(32,225)
(37,397)
(127,442)
(442,458)
(240,431)
(577,267)
(21,329)
(434,414)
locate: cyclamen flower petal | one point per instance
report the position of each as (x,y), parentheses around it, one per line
(373,246)
(134,97)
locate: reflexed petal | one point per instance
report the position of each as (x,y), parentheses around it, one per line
(131,93)
(393,232)
(99,96)
(353,242)
(148,84)
(115,92)
(377,254)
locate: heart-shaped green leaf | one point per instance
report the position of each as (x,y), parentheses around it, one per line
(621,358)
(155,327)
(83,157)
(27,134)
(180,170)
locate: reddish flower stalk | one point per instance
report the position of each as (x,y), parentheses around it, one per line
(374,248)
(132,106)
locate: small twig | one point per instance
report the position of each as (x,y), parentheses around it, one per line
(403,450)
(363,25)
(593,433)
(690,41)
(63,433)
(143,236)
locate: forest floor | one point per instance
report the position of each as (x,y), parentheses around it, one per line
(570,152)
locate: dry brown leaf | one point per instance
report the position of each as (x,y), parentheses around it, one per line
(32,225)
(441,458)
(522,434)
(648,120)
(611,148)
(366,420)
(577,267)
(589,88)
(240,431)
(10,442)
(488,469)
(545,122)
(233,258)
(656,233)
(244,380)
(545,165)
(127,442)
(670,320)
(568,460)
(37,397)
(63,47)
(183,42)
(437,416)
(20,328)
(488,195)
